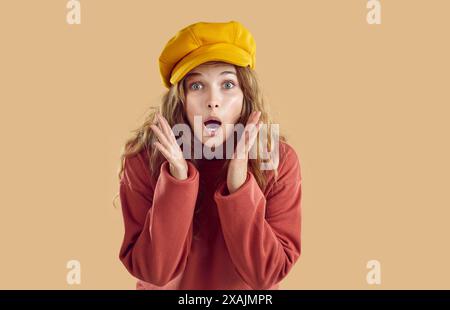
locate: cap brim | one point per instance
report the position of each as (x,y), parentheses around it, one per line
(214,52)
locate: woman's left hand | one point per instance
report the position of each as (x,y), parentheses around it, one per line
(237,169)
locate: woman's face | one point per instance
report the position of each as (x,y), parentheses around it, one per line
(213,91)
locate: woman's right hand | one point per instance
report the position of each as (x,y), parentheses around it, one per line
(169,147)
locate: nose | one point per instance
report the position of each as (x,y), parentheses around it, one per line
(214,98)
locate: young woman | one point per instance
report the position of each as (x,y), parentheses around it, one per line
(202,222)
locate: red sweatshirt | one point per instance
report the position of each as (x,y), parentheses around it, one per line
(249,239)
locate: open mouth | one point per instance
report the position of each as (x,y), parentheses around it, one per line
(212,126)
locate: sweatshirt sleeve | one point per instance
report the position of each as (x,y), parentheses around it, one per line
(263,234)
(157,220)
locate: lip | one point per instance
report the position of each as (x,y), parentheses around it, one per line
(212,133)
(212,118)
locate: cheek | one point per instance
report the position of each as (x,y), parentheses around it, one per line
(234,107)
(191,108)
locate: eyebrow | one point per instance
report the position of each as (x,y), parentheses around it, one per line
(198,73)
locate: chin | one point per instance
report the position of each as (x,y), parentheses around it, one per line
(210,141)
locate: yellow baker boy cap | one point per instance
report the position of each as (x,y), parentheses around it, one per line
(202,42)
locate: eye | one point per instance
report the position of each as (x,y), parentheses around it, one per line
(195,86)
(229,84)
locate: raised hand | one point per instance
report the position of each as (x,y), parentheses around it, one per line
(168,146)
(237,169)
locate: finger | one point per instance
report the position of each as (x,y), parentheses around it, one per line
(241,148)
(165,127)
(250,118)
(254,117)
(254,129)
(252,134)
(161,137)
(257,117)
(170,133)
(176,149)
(251,126)
(244,137)
(161,148)
(161,125)
(248,139)
(245,142)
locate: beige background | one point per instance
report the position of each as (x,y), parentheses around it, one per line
(365,106)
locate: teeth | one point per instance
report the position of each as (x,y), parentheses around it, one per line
(212,122)
(212,128)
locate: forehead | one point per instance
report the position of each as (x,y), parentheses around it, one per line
(210,69)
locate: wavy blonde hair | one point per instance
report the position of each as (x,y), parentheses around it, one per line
(172,108)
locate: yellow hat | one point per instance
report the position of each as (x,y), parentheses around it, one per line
(202,42)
